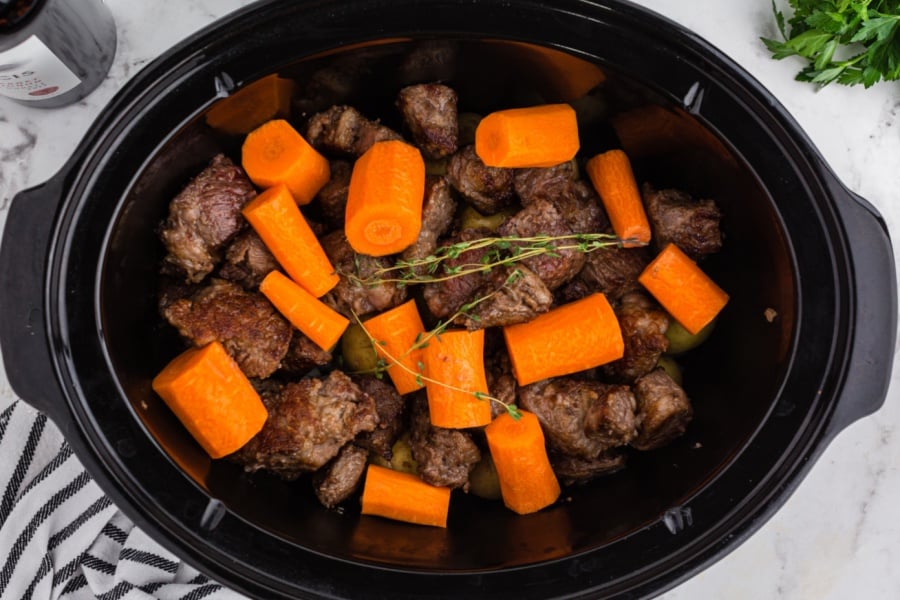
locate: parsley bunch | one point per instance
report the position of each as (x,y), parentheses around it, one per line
(848,41)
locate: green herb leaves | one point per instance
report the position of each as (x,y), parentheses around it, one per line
(847,41)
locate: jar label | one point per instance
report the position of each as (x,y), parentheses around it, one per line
(31,71)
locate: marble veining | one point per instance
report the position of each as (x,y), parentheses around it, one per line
(838,535)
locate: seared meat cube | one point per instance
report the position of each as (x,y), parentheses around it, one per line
(309,422)
(203,217)
(575,199)
(303,355)
(573,290)
(438,209)
(446,297)
(692,225)
(246,324)
(488,189)
(501,381)
(664,410)
(572,470)
(335,482)
(581,418)
(643,326)
(614,271)
(544,183)
(332,198)
(247,260)
(429,111)
(542,217)
(350,296)
(582,209)
(445,456)
(171,289)
(389,405)
(514,294)
(344,130)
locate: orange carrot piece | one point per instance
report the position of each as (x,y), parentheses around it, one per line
(278,221)
(611,174)
(404,497)
(275,153)
(683,289)
(384,200)
(214,400)
(537,136)
(318,321)
(251,106)
(456,358)
(396,332)
(571,338)
(527,481)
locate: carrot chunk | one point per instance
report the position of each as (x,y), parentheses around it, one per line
(278,221)
(384,200)
(611,174)
(396,332)
(214,400)
(537,136)
(456,360)
(275,153)
(574,337)
(527,481)
(318,321)
(404,497)
(683,289)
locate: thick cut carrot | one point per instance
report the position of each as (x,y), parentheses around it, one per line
(611,174)
(455,361)
(396,333)
(537,136)
(214,400)
(574,337)
(404,497)
(251,106)
(683,289)
(384,200)
(274,153)
(278,221)
(318,321)
(527,481)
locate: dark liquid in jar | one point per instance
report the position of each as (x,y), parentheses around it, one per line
(81,33)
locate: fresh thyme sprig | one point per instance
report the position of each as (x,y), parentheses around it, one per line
(501,251)
(390,360)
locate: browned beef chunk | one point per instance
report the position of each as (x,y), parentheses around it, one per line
(488,189)
(332,198)
(172,289)
(572,470)
(581,418)
(514,294)
(309,422)
(575,199)
(438,209)
(390,407)
(643,326)
(501,381)
(303,355)
(576,289)
(614,271)
(544,183)
(349,295)
(542,217)
(446,297)
(344,130)
(247,260)
(692,225)
(445,456)
(249,327)
(664,410)
(429,111)
(337,481)
(203,217)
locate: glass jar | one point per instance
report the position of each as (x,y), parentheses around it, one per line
(54,52)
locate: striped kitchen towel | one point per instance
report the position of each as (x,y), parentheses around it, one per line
(61,537)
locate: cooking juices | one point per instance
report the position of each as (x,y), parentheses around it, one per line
(54,52)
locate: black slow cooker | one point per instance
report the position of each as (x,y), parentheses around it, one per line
(803,349)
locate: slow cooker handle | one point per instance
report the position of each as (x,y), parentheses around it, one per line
(23,333)
(874,279)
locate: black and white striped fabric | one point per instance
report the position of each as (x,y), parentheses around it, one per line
(61,537)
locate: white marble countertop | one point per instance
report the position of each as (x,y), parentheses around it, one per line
(838,536)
